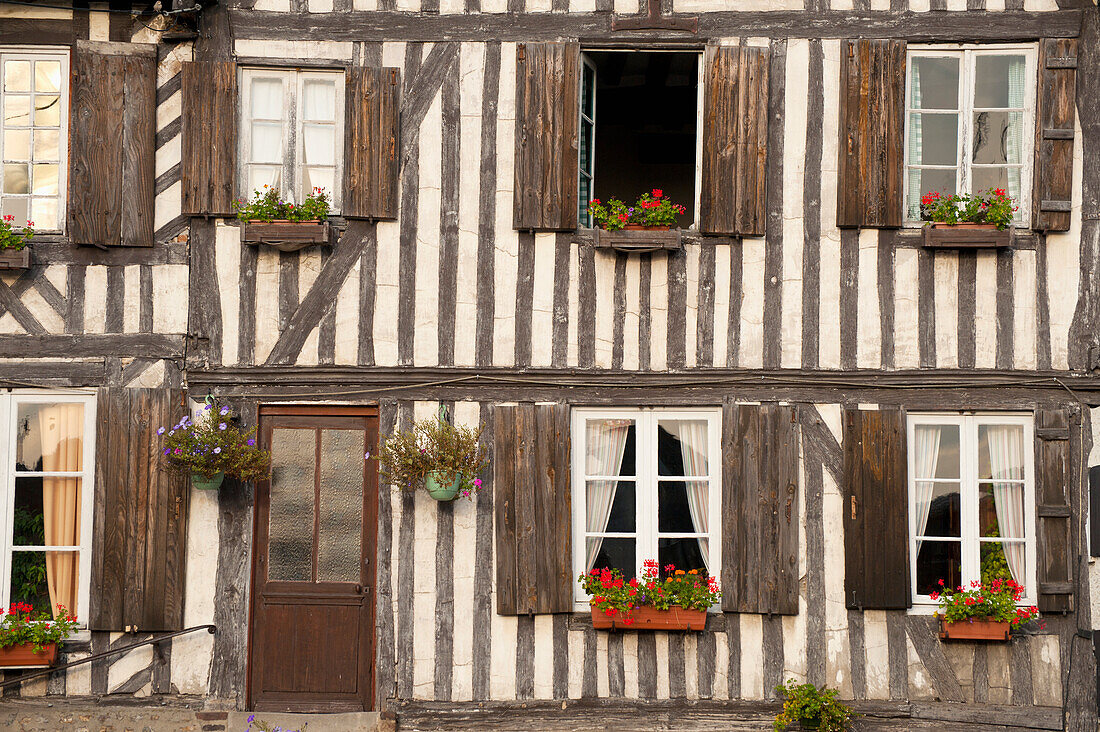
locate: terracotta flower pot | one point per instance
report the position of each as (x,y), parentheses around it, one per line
(975,629)
(651,618)
(23,656)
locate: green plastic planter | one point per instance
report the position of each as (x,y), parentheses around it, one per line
(207,484)
(442,491)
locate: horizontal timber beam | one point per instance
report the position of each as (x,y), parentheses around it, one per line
(398,26)
(136,345)
(52,373)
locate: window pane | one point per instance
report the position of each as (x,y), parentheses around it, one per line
(50,437)
(612,554)
(990,178)
(17,207)
(609,447)
(47,110)
(319,144)
(17,76)
(611,506)
(17,145)
(938,560)
(319,100)
(682,447)
(1001,451)
(588,92)
(926,181)
(935,451)
(45,580)
(47,76)
(935,83)
(44,213)
(933,139)
(683,507)
(999,81)
(46,144)
(1001,510)
(16,179)
(686,554)
(17,111)
(47,511)
(341,510)
(266,99)
(318,178)
(290,527)
(267,142)
(998,138)
(259,176)
(45,179)
(1003,560)
(937,508)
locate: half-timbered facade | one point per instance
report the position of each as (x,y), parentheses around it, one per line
(829,413)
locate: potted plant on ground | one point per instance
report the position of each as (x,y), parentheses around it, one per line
(445,459)
(811,708)
(644,226)
(983,219)
(29,639)
(268,219)
(983,611)
(678,601)
(213,447)
(14,252)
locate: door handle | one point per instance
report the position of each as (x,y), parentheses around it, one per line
(359,589)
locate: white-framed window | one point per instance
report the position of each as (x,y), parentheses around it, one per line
(646,485)
(971,501)
(292,132)
(47,454)
(969,123)
(34,120)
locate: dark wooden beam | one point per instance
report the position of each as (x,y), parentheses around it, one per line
(53,249)
(137,345)
(37,31)
(52,373)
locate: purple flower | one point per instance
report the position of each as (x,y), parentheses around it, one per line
(217,451)
(160,431)
(207,407)
(222,426)
(251,443)
(224,411)
(166,451)
(366,456)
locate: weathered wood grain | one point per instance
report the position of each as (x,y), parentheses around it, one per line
(676,334)
(773,225)
(922,634)
(483,567)
(410,194)
(1054,130)
(406,575)
(849,298)
(372,129)
(486,222)
(448,214)
(525,287)
(209,136)
(811,207)
(1053,472)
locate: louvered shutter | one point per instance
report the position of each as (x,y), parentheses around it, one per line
(140,518)
(735,141)
(209,132)
(371,164)
(1054,130)
(1054,475)
(533,515)
(876,510)
(546,164)
(113,137)
(760,509)
(872,124)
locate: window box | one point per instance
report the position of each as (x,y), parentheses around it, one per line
(636,238)
(15,258)
(651,618)
(24,656)
(974,629)
(966,236)
(286,236)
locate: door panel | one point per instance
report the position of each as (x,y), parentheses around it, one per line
(312,633)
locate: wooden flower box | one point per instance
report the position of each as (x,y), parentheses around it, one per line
(651,618)
(286,236)
(23,656)
(975,629)
(966,236)
(636,238)
(15,258)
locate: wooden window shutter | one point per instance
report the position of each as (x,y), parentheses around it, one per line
(1054,473)
(209,131)
(1054,130)
(735,141)
(533,515)
(140,518)
(760,509)
(546,165)
(113,138)
(371,164)
(872,128)
(876,510)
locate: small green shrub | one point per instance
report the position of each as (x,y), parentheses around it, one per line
(433,446)
(806,704)
(984,207)
(12,237)
(21,624)
(266,205)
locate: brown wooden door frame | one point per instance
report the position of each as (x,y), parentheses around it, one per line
(319,417)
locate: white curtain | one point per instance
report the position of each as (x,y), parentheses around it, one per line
(916,142)
(606,445)
(319,101)
(927,458)
(1014,144)
(693,447)
(1006,459)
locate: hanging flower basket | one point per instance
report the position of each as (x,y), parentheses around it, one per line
(440,489)
(651,618)
(975,629)
(435,454)
(212,447)
(23,655)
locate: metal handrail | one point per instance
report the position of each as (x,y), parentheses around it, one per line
(103,654)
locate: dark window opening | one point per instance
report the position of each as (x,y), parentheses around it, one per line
(638,125)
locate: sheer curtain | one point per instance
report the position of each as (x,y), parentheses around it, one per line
(1017,88)
(61,427)
(606,445)
(693,448)
(1006,459)
(916,142)
(927,458)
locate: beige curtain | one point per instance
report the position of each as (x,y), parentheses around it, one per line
(62,427)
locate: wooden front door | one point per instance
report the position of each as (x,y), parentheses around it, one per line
(311,637)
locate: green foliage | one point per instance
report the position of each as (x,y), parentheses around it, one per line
(12,237)
(651,209)
(610,594)
(28,569)
(434,446)
(806,703)
(21,624)
(984,207)
(266,205)
(995,601)
(214,444)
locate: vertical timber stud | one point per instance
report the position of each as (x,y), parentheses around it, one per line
(735,141)
(547,88)
(1054,131)
(209,132)
(1053,478)
(876,516)
(872,124)
(371,162)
